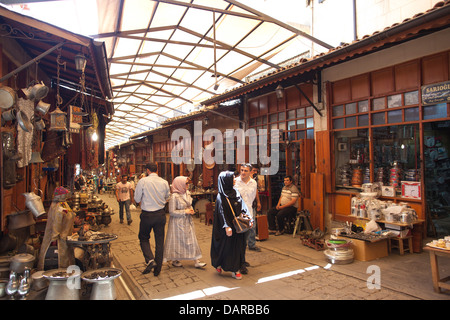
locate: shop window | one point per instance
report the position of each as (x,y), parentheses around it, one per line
(396,147)
(395,116)
(379,104)
(411,98)
(351,158)
(395,101)
(338,111)
(363,106)
(350,122)
(363,120)
(378,118)
(350,108)
(338,123)
(412,114)
(273,118)
(435,111)
(301,124)
(291,114)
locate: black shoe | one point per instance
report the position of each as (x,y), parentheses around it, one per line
(244,270)
(156,272)
(246,264)
(121,220)
(255,248)
(150,265)
(129,222)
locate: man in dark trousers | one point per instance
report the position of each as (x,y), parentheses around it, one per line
(286,207)
(152,193)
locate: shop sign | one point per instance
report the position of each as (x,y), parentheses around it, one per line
(436,93)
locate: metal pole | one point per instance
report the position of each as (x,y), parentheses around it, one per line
(26,65)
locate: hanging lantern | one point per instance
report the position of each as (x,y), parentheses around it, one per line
(80,62)
(58,120)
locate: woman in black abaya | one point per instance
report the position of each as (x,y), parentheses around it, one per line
(227,246)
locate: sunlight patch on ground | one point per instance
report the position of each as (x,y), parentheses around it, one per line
(286,274)
(200,293)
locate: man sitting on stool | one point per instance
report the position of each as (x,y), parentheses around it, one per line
(286,207)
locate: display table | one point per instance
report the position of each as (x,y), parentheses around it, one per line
(437,282)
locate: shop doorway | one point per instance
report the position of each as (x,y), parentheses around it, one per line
(437,176)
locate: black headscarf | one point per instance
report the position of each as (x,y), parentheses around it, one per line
(227,191)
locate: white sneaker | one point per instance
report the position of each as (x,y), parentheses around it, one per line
(176,263)
(200,265)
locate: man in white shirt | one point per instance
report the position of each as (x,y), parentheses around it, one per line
(247,187)
(152,193)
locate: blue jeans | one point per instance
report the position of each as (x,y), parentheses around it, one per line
(125,204)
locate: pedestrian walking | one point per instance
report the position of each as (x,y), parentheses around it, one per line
(124,195)
(152,193)
(181,241)
(227,246)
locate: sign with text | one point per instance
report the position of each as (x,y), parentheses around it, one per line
(436,93)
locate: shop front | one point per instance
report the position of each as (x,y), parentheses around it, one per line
(384,133)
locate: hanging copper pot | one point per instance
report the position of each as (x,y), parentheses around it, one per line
(7,97)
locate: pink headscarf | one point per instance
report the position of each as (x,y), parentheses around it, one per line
(179,185)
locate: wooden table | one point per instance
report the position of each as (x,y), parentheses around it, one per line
(437,282)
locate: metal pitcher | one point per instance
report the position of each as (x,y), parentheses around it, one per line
(34,203)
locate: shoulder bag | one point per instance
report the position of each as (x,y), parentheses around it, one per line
(242,223)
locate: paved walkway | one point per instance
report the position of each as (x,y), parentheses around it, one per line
(283,270)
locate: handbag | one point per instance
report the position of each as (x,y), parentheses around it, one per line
(242,223)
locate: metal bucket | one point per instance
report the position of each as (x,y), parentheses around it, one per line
(34,203)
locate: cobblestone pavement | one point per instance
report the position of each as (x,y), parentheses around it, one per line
(283,270)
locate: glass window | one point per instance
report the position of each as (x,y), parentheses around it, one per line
(412,114)
(395,101)
(309,111)
(379,104)
(258,120)
(338,123)
(435,111)
(395,145)
(363,120)
(363,106)
(378,118)
(310,134)
(264,119)
(281,116)
(338,111)
(282,125)
(301,124)
(310,122)
(291,114)
(351,157)
(273,118)
(301,113)
(350,122)
(395,116)
(291,125)
(411,98)
(301,135)
(350,108)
